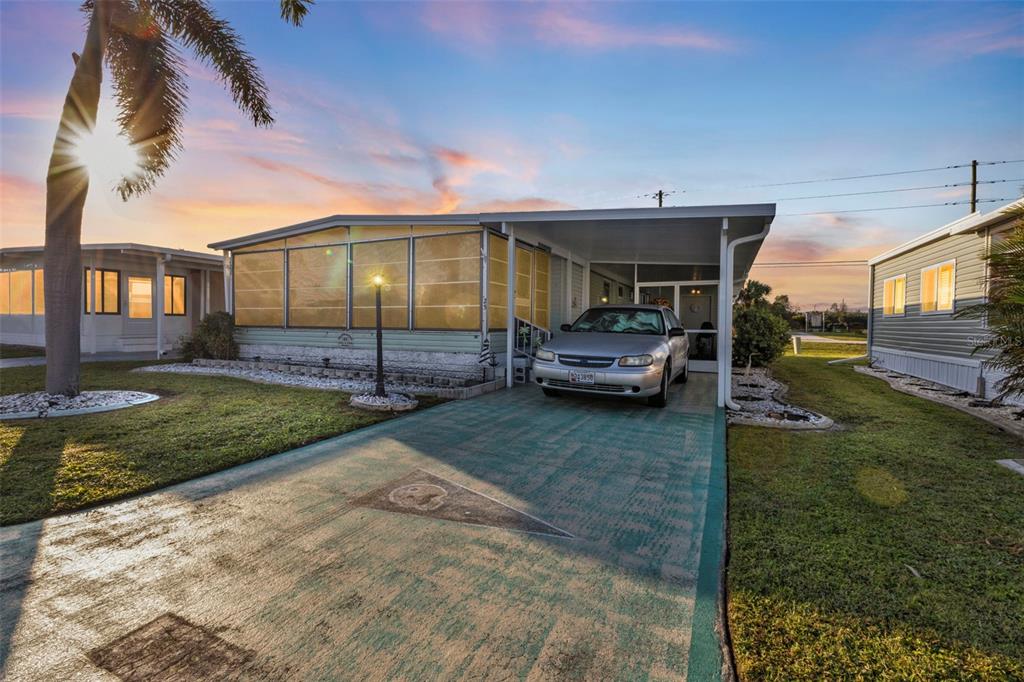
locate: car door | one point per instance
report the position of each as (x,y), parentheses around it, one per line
(676,344)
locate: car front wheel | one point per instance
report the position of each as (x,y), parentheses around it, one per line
(660,399)
(683,376)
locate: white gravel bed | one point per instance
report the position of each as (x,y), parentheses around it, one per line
(42,404)
(268,376)
(392,402)
(1007,417)
(761,398)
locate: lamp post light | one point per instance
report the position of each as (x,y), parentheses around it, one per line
(378,282)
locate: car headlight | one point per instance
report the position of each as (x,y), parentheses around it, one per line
(635,361)
(545,355)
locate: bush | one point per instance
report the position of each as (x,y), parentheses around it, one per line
(760,333)
(214,338)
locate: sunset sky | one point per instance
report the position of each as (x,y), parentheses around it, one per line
(403,107)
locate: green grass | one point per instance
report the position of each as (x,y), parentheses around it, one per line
(823,528)
(856,335)
(831,351)
(8,350)
(201,424)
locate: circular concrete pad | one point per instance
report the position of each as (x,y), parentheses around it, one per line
(420,496)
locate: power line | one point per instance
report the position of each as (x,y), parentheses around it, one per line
(884,175)
(894,208)
(901,189)
(811,264)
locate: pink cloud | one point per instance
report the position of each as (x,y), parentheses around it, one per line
(521,204)
(559,25)
(994,36)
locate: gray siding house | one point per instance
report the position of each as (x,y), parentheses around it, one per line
(917,288)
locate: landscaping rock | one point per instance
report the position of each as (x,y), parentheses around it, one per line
(40,404)
(392,402)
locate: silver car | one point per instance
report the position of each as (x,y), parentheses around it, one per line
(622,349)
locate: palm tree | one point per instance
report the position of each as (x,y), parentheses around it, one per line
(1003,309)
(140,41)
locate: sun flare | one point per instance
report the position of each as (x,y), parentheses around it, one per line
(108,155)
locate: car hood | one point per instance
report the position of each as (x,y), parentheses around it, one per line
(603,344)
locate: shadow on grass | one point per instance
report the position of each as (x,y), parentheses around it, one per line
(20,545)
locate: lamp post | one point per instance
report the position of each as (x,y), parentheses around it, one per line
(378,282)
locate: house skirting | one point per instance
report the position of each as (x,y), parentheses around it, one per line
(434,363)
(965,374)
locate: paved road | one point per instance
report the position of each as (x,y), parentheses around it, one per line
(271,570)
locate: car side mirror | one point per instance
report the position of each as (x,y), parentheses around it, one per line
(676,331)
(566,327)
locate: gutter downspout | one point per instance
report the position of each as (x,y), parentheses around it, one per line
(728,302)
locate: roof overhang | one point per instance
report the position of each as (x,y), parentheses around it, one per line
(130,249)
(674,234)
(969,223)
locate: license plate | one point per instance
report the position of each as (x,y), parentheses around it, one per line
(581,377)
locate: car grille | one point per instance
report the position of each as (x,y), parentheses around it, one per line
(604,388)
(588,361)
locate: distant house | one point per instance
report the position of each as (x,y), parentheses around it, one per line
(916,290)
(134,297)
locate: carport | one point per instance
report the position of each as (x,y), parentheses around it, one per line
(684,256)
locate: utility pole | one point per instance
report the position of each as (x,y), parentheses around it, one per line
(661,197)
(974,185)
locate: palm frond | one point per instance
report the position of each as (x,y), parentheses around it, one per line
(212,39)
(150,91)
(294,11)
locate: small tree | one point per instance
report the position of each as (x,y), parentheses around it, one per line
(1003,310)
(759,336)
(752,294)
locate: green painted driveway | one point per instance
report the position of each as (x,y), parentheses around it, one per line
(269,571)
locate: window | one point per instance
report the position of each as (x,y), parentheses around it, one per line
(5,293)
(318,287)
(894,295)
(259,289)
(108,288)
(21,292)
(390,260)
(497,281)
(541,283)
(174,295)
(447,282)
(938,288)
(524,282)
(140,298)
(39,303)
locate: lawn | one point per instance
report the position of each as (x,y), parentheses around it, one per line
(8,350)
(889,548)
(200,425)
(855,334)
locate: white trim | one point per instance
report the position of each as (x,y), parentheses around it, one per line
(974,221)
(724,364)
(953,360)
(510,300)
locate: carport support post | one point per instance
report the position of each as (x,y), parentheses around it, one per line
(724,314)
(510,230)
(159,284)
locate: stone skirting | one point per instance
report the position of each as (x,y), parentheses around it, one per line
(422,363)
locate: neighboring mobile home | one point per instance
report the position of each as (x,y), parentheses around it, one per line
(304,293)
(134,297)
(917,288)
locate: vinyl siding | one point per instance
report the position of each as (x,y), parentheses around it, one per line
(578,277)
(932,333)
(363,339)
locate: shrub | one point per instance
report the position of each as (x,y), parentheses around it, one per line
(760,333)
(214,338)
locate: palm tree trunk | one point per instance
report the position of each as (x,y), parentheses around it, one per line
(67,183)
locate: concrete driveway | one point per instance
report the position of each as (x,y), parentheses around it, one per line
(300,566)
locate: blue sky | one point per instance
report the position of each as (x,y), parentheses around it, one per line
(393,107)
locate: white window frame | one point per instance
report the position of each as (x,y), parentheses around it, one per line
(952,295)
(902,313)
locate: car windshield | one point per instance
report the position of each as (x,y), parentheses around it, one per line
(620,321)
